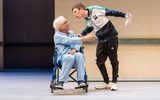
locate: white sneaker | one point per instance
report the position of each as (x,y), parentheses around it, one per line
(114,87)
(59,86)
(82,84)
(103,86)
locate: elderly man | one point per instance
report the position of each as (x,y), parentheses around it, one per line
(68,46)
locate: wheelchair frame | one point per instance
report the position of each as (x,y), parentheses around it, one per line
(55,73)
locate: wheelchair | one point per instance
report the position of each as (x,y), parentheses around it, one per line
(56,70)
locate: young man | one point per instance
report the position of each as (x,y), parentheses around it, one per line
(68,47)
(96,19)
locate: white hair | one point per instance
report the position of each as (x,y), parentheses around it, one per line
(58,22)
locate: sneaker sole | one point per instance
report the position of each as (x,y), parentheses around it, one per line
(102,88)
(113,89)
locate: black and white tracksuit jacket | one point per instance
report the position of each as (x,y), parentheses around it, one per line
(97,20)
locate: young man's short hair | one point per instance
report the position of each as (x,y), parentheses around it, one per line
(79,6)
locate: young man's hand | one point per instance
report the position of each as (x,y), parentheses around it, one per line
(89,37)
(79,35)
(128,19)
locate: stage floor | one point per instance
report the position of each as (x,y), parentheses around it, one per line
(35,86)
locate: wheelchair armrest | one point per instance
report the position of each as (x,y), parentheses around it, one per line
(82,50)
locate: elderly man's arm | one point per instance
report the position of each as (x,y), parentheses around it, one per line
(65,40)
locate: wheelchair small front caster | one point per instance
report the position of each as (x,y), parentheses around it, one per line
(85,89)
(52,86)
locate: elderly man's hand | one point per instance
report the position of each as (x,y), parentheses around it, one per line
(73,51)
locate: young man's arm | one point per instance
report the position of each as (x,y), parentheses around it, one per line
(128,16)
(115,13)
(87,30)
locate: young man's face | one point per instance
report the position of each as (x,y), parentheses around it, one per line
(78,13)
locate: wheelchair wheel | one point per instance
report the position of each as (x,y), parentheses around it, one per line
(85,89)
(52,86)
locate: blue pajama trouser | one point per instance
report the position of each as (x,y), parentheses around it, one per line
(68,61)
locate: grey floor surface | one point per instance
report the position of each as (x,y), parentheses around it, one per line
(35,86)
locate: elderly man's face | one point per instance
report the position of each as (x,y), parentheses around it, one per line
(65,26)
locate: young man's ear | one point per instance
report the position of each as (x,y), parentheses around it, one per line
(80,9)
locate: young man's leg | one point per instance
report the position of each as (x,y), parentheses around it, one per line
(113,56)
(101,54)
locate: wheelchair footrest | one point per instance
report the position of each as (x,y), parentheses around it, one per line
(78,87)
(58,88)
